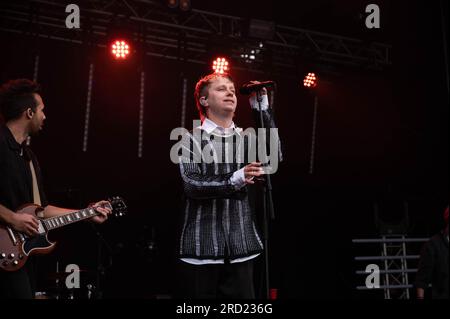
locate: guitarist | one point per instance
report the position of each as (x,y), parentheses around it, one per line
(22,109)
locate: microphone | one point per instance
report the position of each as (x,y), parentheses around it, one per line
(248,88)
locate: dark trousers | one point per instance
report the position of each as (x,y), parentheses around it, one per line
(212,281)
(18,284)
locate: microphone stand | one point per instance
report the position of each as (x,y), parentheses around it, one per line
(268,209)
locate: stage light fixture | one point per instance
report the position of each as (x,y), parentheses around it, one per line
(120,49)
(310,80)
(220,65)
(172,4)
(185,5)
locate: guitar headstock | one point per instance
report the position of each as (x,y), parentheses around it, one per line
(118,206)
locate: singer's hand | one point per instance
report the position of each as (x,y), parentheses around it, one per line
(251,171)
(262,92)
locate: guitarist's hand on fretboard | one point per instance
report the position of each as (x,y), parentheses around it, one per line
(20,239)
(104,208)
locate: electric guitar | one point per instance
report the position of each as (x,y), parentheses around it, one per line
(15,247)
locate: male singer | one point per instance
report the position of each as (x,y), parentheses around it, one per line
(219,239)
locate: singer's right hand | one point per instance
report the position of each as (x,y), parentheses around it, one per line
(251,171)
(263,90)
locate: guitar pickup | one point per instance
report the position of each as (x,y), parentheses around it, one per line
(11,234)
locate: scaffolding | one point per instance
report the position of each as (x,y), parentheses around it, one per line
(167,34)
(393,264)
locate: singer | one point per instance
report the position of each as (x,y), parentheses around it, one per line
(219,239)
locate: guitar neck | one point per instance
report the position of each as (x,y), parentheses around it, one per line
(70,218)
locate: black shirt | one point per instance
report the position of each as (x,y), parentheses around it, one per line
(16,184)
(433,266)
(16,189)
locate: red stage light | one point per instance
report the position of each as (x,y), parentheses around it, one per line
(185,5)
(220,65)
(172,3)
(120,49)
(310,81)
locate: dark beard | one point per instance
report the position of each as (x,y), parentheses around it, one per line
(34,131)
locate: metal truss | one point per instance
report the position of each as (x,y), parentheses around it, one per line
(393,262)
(396,277)
(191,36)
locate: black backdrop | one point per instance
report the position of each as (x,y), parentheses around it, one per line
(381,135)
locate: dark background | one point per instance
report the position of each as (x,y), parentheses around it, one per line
(382,137)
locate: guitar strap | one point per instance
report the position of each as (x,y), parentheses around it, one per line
(36,195)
